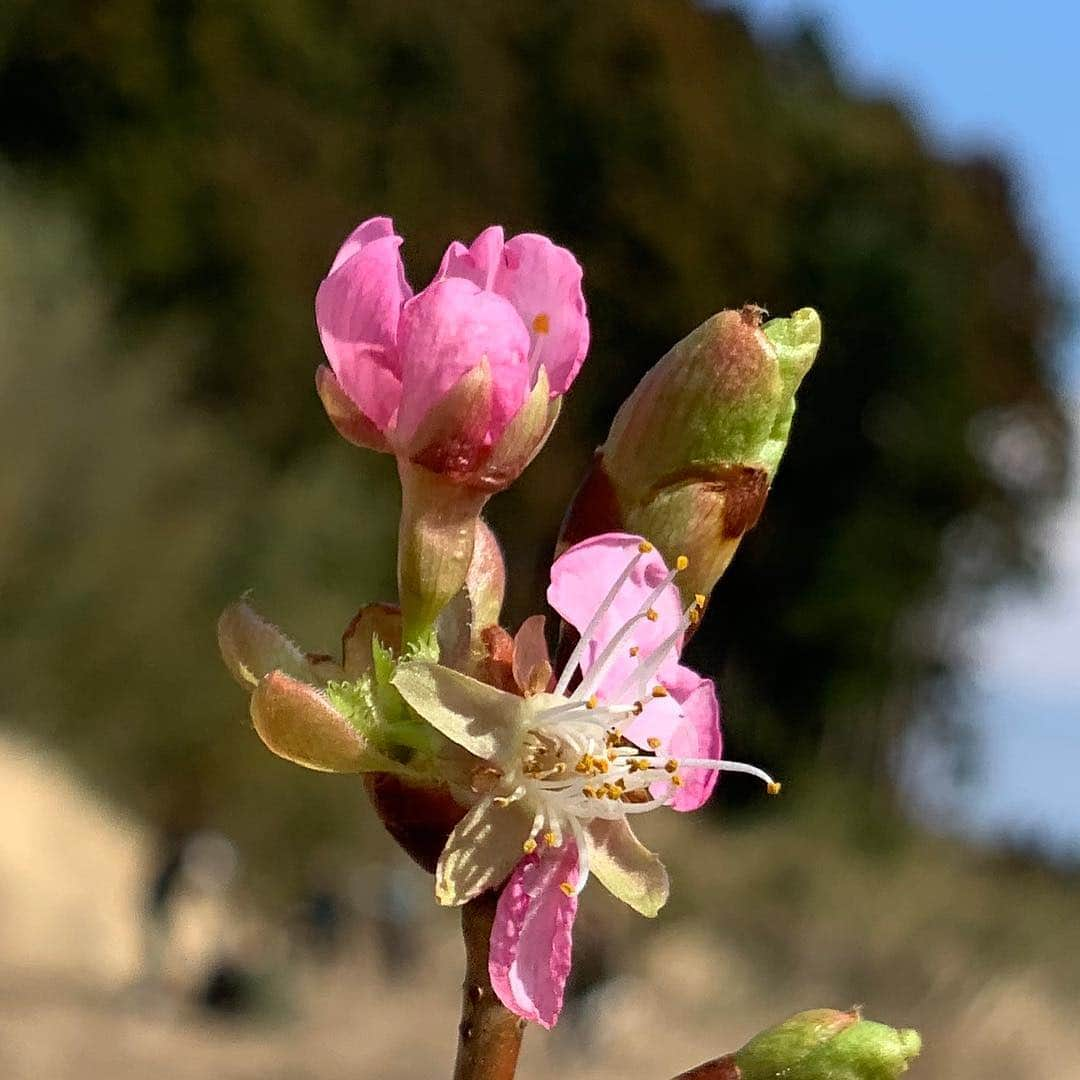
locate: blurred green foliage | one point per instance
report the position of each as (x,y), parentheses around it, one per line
(166,449)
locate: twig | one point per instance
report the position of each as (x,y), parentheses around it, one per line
(718,1069)
(489,1036)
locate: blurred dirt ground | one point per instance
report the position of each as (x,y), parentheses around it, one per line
(980,958)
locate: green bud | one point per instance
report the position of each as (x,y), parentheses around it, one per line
(821,1044)
(865,1051)
(792,1041)
(692,452)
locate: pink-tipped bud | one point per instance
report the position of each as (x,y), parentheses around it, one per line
(692,452)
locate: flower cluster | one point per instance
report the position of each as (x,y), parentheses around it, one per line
(528,777)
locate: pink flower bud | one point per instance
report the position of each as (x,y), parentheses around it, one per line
(464,377)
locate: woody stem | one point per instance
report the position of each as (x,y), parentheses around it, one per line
(489,1036)
(723,1068)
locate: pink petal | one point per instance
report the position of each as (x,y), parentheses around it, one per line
(445,332)
(357,309)
(581,578)
(698,736)
(543,282)
(687,724)
(478,263)
(531,939)
(660,719)
(373,229)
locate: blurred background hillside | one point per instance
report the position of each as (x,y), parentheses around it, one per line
(174,180)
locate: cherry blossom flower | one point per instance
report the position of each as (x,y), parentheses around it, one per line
(439,377)
(567,762)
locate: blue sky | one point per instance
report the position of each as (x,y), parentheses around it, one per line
(1003,75)
(1007,77)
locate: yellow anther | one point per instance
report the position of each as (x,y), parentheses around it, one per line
(671,765)
(529,846)
(592,702)
(659,690)
(682,562)
(621,783)
(567,888)
(653,742)
(694,615)
(550,839)
(700,599)
(602,764)
(611,755)
(542,323)
(676,781)
(652,614)
(644,547)
(635,649)
(588,792)
(773,788)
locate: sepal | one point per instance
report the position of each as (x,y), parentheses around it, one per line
(351,424)
(253,647)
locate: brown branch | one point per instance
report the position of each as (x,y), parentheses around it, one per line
(718,1069)
(489,1037)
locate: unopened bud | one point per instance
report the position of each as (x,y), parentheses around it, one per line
(821,1044)
(692,452)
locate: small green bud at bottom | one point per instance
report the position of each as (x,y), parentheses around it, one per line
(825,1044)
(865,1051)
(821,1044)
